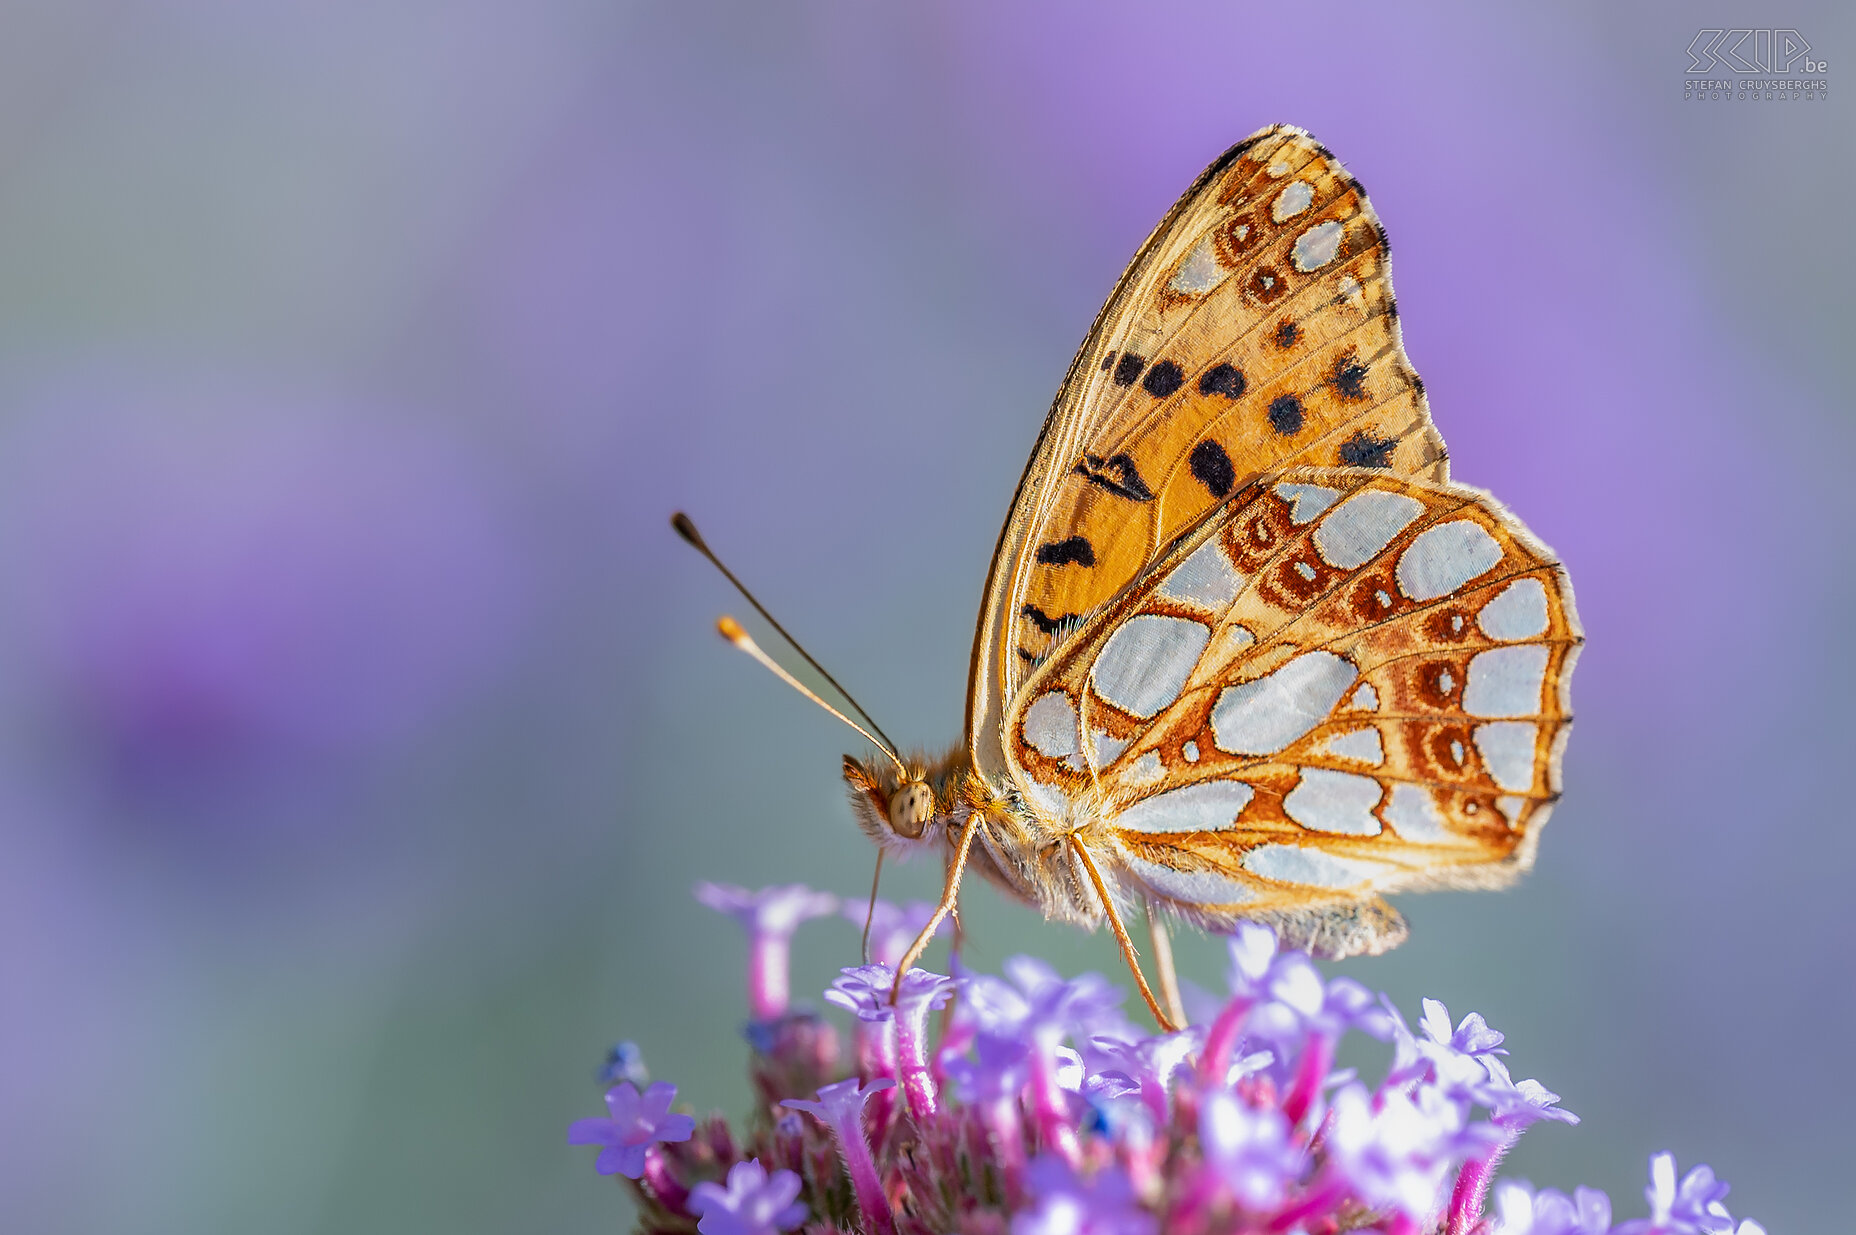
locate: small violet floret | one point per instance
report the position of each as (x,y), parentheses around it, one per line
(769,916)
(1248,1151)
(637,1122)
(1068,1204)
(752,1202)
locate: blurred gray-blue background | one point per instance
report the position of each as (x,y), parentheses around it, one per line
(364,725)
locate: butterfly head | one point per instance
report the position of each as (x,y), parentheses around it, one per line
(902,807)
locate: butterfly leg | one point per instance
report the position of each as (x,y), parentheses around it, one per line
(1128,953)
(948,895)
(1163,964)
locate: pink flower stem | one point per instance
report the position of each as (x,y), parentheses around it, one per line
(768,987)
(876,1051)
(1005,1122)
(1317,1058)
(1472,1189)
(1050,1106)
(1215,1059)
(918,1088)
(865,1182)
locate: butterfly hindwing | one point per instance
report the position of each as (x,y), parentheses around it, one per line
(1256,329)
(1341,682)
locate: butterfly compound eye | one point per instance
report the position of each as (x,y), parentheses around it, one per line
(910,808)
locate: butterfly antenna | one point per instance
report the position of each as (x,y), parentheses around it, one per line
(731,631)
(870,913)
(686,528)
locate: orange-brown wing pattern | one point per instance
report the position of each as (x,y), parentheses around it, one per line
(1256,329)
(1342,682)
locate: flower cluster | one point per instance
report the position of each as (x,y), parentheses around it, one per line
(1029,1105)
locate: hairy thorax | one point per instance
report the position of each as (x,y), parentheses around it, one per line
(930,808)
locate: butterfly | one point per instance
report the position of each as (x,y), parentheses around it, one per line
(1246,652)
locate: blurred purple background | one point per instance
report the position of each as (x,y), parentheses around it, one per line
(365,727)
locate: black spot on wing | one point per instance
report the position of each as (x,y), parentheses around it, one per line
(1365,450)
(1117,474)
(1163,379)
(1212,468)
(1287,332)
(1286,414)
(1042,620)
(1076,550)
(1223,380)
(1350,378)
(1128,368)
(1107,361)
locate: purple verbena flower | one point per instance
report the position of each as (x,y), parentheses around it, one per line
(1472,1036)
(1147,1067)
(636,1123)
(770,916)
(1693,1206)
(1043,1010)
(1303,1019)
(1067,1204)
(1248,1151)
(991,1077)
(1520,1211)
(1133,1140)
(865,991)
(840,1107)
(1397,1150)
(752,1203)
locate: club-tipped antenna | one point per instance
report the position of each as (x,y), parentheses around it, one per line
(687,529)
(731,631)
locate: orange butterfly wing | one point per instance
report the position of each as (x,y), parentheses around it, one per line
(1255,329)
(1341,682)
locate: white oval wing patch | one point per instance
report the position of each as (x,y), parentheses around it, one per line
(1413,814)
(1146,661)
(1507,749)
(1292,200)
(1518,612)
(1050,725)
(1317,246)
(1309,867)
(1190,887)
(1329,801)
(1306,501)
(1506,681)
(1363,525)
(1264,716)
(1201,271)
(1209,807)
(1206,578)
(1445,557)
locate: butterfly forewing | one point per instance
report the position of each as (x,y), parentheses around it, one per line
(1341,682)
(1256,329)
